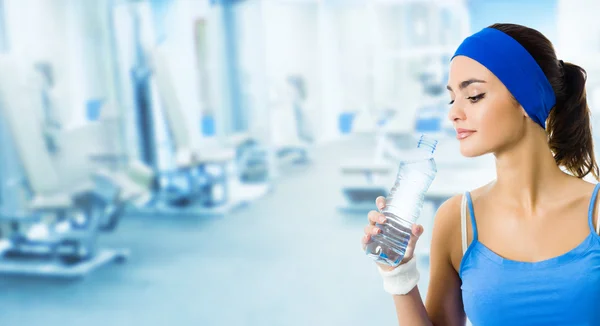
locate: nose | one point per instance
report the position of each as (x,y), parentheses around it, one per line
(456,112)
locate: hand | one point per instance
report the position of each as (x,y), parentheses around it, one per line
(372,229)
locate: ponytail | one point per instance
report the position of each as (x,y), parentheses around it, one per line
(569,127)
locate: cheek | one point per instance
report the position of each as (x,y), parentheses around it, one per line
(495,124)
(497,118)
(492,120)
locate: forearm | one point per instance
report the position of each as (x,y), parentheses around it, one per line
(411,310)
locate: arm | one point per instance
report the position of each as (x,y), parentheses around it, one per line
(410,309)
(444,301)
(444,296)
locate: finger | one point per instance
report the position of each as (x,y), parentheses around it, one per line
(366,238)
(380,202)
(376,217)
(417,230)
(372,230)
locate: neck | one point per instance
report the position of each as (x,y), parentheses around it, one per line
(527,173)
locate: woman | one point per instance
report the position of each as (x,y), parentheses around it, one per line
(525,249)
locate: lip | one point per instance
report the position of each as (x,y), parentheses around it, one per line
(463,133)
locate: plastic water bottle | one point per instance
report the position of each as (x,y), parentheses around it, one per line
(404,204)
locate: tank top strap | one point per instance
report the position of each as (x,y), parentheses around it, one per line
(466,202)
(472,215)
(591,211)
(463,222)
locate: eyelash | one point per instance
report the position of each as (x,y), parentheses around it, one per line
(473,99)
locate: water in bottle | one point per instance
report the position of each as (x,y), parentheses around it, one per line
(404,204)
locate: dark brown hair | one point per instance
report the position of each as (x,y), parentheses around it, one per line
(568,126)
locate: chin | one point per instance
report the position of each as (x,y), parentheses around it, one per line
(468,153)
(471,150)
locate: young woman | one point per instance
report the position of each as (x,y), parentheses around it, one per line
(524,249)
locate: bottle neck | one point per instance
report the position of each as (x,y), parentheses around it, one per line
(425,152)
(426,145)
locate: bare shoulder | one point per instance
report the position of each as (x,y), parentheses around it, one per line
(449,212)
(586,186)
(443,300)
(577,189)
(446,229)
(481,191)
(583,191)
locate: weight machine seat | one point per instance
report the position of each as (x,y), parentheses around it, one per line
(140,174)
(184,158)
(367,166)
(133,182)
(214,155)
(295,144)
(60,199)
(238,139)
(51,202)
(210,150)
(187,158)
(128,189)
(288,144)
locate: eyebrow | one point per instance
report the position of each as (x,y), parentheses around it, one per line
(466,83)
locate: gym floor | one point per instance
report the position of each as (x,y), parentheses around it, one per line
(290,258)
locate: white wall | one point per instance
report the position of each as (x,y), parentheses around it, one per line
(578,28)
(73,36)
(99,72)
(291,43)
(182,57)
(349,52)
(347,58)
(332,102)
(291,47)
(355,55)
(579,42)
(250,42)
(37,30)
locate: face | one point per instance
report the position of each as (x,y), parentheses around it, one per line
(483,112)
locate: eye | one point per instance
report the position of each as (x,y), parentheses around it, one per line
(451,102)
(476,98)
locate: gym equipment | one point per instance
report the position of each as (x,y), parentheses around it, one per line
(51,227)
(291,139)
(205,163)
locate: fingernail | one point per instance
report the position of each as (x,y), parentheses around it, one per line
(382,219)
(376,230)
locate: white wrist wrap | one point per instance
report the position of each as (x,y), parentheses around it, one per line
(402,279)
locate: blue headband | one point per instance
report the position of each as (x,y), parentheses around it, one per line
(516,69)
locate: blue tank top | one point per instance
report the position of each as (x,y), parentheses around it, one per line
(563,290)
